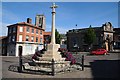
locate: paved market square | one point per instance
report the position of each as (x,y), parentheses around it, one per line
(95,66)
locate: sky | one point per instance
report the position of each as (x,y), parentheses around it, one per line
(68,14)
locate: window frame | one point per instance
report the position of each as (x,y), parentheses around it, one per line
(41,40)
(27,38)
(28,29)
(40,32)
(32,30)
(37,31)
(14,29)
(13,38)
(36,39)
(21,29)
(32,38)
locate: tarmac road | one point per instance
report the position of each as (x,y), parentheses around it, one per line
(96,66)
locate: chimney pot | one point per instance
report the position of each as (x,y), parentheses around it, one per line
(29,20)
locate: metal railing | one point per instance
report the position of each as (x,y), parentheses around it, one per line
(21,68)
(23,59)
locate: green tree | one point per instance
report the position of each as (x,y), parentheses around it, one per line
(57,37)
(90,37)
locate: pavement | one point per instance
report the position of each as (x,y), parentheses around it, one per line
(95,66)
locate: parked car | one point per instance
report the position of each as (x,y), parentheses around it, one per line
(99,51)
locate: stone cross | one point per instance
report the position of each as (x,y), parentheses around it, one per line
(53,23)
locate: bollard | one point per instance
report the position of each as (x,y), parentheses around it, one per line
(82,62)
(53,70)
(20,59)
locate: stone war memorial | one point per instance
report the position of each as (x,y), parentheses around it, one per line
(52,48)
(52,60)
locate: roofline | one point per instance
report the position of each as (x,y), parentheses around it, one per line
(24,23)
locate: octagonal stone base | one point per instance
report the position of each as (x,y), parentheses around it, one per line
(52,53)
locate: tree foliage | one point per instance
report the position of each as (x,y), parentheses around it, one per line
(57,37)
(89,36)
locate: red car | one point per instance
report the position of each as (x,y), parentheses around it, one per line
(100,51)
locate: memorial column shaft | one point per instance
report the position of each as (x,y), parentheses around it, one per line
(53,28)
(53,41)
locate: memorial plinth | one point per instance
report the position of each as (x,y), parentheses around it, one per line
(52,53)
(52,48)
(51,57)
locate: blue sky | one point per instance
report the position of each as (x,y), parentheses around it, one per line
(68,14)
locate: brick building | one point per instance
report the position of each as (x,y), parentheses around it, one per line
(116,38)
(27,35)
(3,45)
(47,37)
(104,38)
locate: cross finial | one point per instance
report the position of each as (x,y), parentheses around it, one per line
(53,7)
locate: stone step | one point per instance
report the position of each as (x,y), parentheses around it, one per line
(49,53)
(50,59)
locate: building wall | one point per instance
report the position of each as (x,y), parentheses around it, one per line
(0,47)
(3,45)
(75,38)
(11,50)
(28,48)
(117,38)
(30,34)
(24,34)
(63,41)
(40,21)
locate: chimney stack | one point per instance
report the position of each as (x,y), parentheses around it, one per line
(29,20)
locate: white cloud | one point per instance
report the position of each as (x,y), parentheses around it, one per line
(7,18)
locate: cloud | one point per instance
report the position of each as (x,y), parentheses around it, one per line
(7,18)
